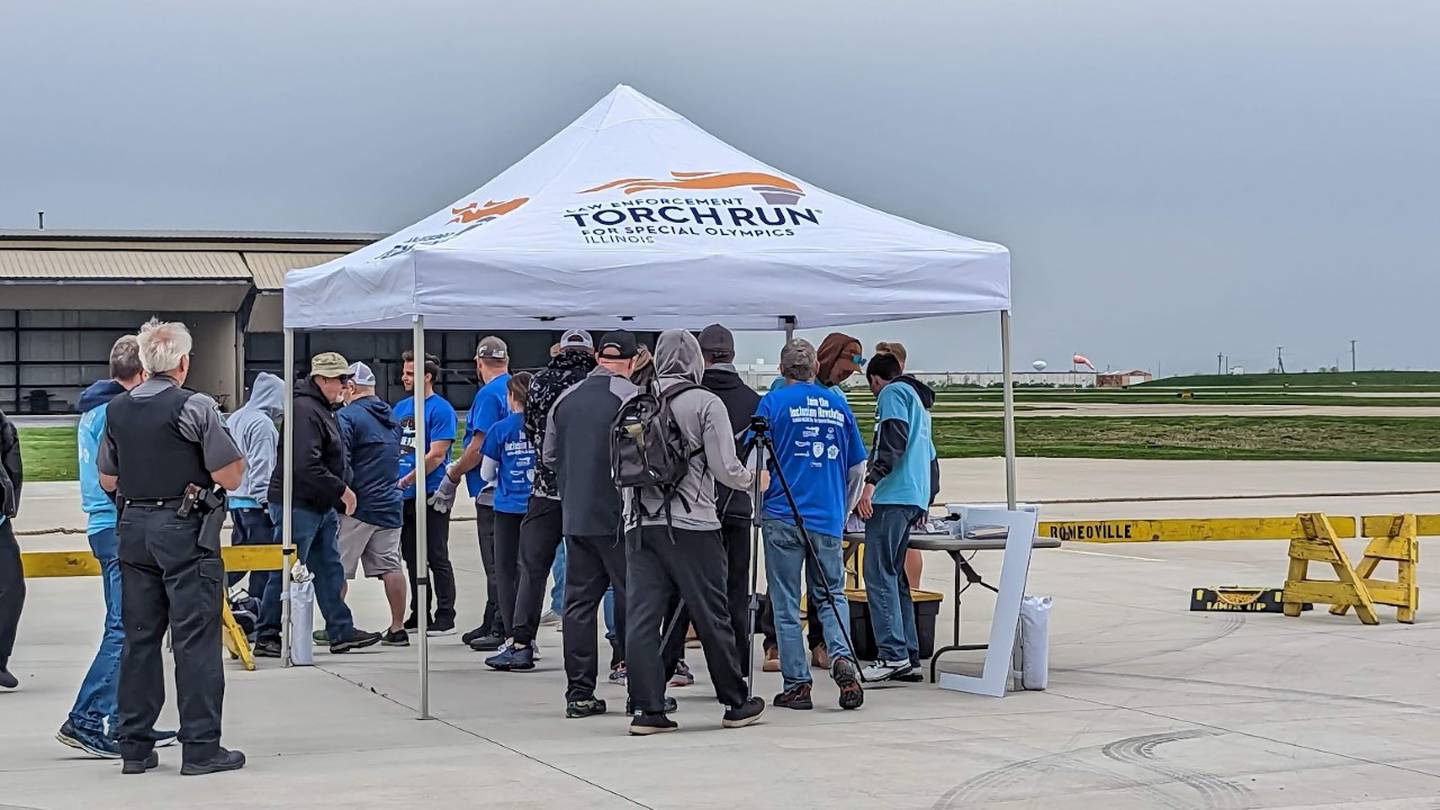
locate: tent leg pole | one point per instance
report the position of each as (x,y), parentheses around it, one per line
(287,538)
(422,557)
(1009,376)
(789,323)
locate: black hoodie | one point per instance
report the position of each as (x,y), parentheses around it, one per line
(740,403)
(320,458)
(892,437)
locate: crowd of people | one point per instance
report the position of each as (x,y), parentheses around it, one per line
(662,563)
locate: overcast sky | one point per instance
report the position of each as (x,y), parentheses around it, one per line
(1174,179)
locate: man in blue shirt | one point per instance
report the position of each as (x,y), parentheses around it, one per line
(440,422)
(899,486)
(492,364)
(820,453)
(93,721)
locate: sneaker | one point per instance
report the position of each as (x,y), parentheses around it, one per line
(320,637)
(395,638)
(512,659)
(585,707)
(852,695)
(133,766)
(913,676)
(224,760)
(549,618)
(165,739)
(266,649)
(474,634)
(683,676)
(360,639)
(441,629)
(882,671)
(620,675)
(645,724)
(670,706)
(91,742)
(820,657)
(412,624)
(797,697)
(486,643)
(746,713)
(772,660)
(7,680)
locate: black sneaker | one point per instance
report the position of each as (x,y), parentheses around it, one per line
(440,629)
(92,743)
(847,677)
(645,724)
(747,713)
(7,680)
(797,697)
(395,638)
(486,643)
(670,706)
(474,634)
(133,766)
(358,640)
(913,676)
(224,760)
(413,623)
(586,707)
(512,659)
(267,649)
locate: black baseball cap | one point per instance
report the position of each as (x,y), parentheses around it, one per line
(717,340)
(618,345)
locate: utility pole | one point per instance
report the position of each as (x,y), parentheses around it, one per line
(1352,356)
(1280,358)
(1220,363)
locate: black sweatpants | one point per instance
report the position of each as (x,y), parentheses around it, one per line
(540,535)
(169,580)
(485,529)
(12,591)
(736,537)
(507,569)
(694,565)
(437,552)
(593,564)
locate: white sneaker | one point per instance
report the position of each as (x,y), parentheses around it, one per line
(535,649)
(886,671)
(549,618)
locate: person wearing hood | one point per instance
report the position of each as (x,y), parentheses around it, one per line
(680,551)
(899,488)
(319,489)
(252,426)
(372,533)
(94,718)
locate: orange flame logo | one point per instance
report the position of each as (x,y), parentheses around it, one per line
(475,212)
(773,188)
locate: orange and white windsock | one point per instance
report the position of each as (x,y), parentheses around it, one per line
(1082,360)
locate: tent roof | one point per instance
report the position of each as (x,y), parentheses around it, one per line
(632,215)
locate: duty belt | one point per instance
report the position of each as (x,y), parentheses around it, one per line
(155,503)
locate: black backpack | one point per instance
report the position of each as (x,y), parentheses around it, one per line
(647,449)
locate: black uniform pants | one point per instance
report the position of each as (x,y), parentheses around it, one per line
(437,551)
(593,564)
(12,591)
(693,565)
(540,535)
(169,579)
(736,536)
(485,529)
(507,568)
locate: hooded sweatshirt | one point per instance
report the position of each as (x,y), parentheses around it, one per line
(740,403)
(904,467)
(99,509)
(321,466)
(372,439)
(704,423)
(564,370)
(252,426)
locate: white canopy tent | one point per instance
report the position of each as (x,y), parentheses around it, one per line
(634,217)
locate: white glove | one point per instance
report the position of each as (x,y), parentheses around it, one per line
(444,497)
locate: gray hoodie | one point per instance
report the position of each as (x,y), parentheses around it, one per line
(703,421)
(253,428)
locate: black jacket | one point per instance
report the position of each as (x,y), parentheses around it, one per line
(564,370)
(740,403)
(320,459)
(577,448)
(12,471)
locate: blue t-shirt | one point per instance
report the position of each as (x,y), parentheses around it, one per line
(439,426)
(908,484)
(506,443)
(816,444)
(490,406)
(99,509)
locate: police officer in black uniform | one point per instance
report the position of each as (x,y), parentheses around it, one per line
(163,453)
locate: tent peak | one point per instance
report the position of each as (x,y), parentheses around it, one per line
(623,105)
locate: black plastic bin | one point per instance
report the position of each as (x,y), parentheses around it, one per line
(927,609)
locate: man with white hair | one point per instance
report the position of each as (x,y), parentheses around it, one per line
(164,452)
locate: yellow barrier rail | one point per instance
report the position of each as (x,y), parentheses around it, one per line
(84,564)
(1184,529)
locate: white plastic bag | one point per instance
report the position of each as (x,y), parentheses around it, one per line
(302,616)
(1035,641)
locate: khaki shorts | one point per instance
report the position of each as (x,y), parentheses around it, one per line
(378,548)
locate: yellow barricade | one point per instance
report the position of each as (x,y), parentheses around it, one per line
(83,563)
(1183,529)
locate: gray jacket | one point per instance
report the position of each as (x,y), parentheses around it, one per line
(704,422)
(252,426)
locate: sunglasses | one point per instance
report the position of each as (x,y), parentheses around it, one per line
(858,359)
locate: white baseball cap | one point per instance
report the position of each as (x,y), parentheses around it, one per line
(362,375)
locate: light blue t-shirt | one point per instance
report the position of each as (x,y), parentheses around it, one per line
(512,452)
(439,426)
(816,444)
(490,406)
(908,483)
(99,509)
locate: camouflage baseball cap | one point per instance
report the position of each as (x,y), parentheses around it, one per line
(329,364)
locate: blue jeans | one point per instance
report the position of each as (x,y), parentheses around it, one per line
(892,614)
(785,554)
(95,706)
(314,534)
(557,572)
(253,527)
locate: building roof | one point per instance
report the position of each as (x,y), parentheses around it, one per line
(129,265)
(269,269)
